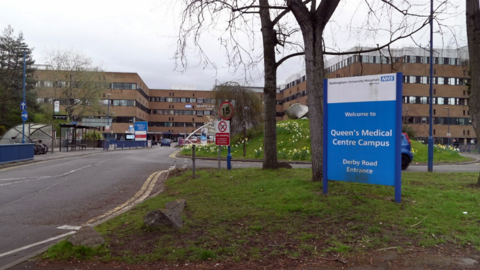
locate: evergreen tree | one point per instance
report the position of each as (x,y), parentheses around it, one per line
(11,79)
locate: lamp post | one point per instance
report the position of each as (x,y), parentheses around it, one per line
(448,123)
(23,86)
(108,117)
(430,131)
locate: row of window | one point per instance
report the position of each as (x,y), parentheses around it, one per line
(64,101)
(183,100)
(99,85)
(120,102)
(386,60)
(435,100)
(436,120)
(126,86)
(127,119)
(174,124)
(436,80)
(182,112)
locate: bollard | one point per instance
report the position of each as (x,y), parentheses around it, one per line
(193,160)
(229,159)
(219,155)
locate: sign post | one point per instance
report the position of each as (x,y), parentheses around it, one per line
(222,137)
(23,105)
(225,111)
(141,129)
(362,130)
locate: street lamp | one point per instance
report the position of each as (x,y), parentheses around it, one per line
(448,122)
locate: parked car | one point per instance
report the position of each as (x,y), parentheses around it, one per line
(166,142)
(407,155)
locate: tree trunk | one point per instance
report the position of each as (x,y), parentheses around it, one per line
(312,24)
(270,90)
(473,33)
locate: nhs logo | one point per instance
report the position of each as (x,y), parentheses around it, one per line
(388,78)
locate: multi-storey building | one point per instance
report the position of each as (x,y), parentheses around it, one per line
(450,94)
(170,113)
(178,111)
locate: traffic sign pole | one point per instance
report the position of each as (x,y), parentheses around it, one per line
(229,159)
(24,71)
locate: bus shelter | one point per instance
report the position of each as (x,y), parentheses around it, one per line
(73,137)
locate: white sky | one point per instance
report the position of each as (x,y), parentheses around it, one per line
(140,36)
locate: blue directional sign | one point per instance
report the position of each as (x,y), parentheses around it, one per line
(24,115)
(23,105)
(362,130)
(141,126)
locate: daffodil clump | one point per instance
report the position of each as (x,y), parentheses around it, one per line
(293,143)
(440,148)
(208,149)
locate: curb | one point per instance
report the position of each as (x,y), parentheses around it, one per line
(308,162)
(244,160)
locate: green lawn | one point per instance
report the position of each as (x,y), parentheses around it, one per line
(246,214)
(441,153)
(293,143)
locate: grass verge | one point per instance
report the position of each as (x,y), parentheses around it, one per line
(247,214)
(293,143)
(441,153)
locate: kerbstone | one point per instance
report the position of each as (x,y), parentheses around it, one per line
(171,216)
(87,236)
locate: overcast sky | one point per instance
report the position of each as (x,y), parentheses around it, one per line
(140,36)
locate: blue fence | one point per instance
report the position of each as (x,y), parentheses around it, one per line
(16,152)
(124,144)
(470,148)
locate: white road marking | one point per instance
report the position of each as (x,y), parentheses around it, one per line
(136,199)
(28,179)
(69,227)
(36,244)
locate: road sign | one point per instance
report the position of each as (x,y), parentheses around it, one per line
(225,110)
(60,116)
(141,126)
(56,106)
(23,105)
(222,126)
(449,135)
(24,115)
(222,132)
(362,130)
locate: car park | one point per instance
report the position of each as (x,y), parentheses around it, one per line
(407,155)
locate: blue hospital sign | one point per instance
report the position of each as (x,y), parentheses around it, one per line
(362,130)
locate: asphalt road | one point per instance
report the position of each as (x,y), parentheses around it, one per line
(37,198)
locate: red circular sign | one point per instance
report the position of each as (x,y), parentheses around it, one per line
(222,126)
(225,110)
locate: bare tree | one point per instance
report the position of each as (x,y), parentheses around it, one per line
(473,32)
(202,15)
(312,19)
(247,108)
(75,81)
